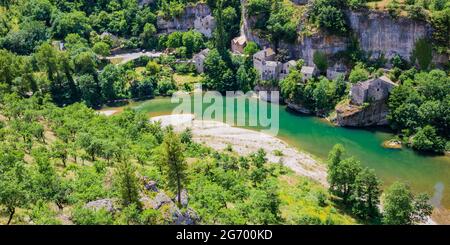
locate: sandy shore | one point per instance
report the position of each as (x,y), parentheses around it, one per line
(219,135)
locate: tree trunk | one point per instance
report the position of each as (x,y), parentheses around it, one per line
(179,189)
(11,214)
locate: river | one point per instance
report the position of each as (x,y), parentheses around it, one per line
(423,173)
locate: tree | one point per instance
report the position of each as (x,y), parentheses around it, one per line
(148,38)
(193,41)
(13,188)
(426,139)
(440,20)
(89,90)
(401,208)
(358,73)
(366,194)
(342,175)
(59,150)
(264,205)
(328,14)
(175,163)
(153,68)
(218,75)
(127,184)
(321,61)
(71,22)
(102,49)
(29,36)
(423,53)
(251,48)
(46,182)
(112,83)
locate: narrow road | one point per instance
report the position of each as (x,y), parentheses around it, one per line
(132,56)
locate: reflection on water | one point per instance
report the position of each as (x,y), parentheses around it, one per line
(438,193)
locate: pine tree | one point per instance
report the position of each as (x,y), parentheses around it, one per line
(176,164)
(128,184)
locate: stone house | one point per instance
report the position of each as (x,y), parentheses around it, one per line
(199,60)
(336,71)
(308,72)
(286,68)
(205,25)
(376,89)
(238,44)
(269,69)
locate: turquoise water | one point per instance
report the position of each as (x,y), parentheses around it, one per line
(313,135)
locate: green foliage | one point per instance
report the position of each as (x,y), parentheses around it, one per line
(423,53)
(280,24)
(318,95)
(358,73)
(420,106)
(321,61)
(329,15)
(101,48)
(366,195)
(402,208)
(86,216)
(426,139)
(440,20)
(127,184)
(24,41)
(219,76)
(358,187)
(72,22)
(175,164)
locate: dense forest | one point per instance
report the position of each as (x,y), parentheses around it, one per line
(63,163)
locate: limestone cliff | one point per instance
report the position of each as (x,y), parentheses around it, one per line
(349,115)
(196,17)
(377,33)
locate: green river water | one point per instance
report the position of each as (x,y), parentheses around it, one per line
(429,174)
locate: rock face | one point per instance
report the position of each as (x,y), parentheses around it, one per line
(168,208)
(358,116)
(196,17)
(379,33)
(106,204)
(303,48)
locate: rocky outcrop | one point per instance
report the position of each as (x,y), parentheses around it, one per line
(142,3)
(303,48)
(298,108)
(198,17)
(106,204)
(159,200)
(374,114)
(379,33)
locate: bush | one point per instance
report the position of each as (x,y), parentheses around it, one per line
(358,73)
(85,216)
(101,48)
